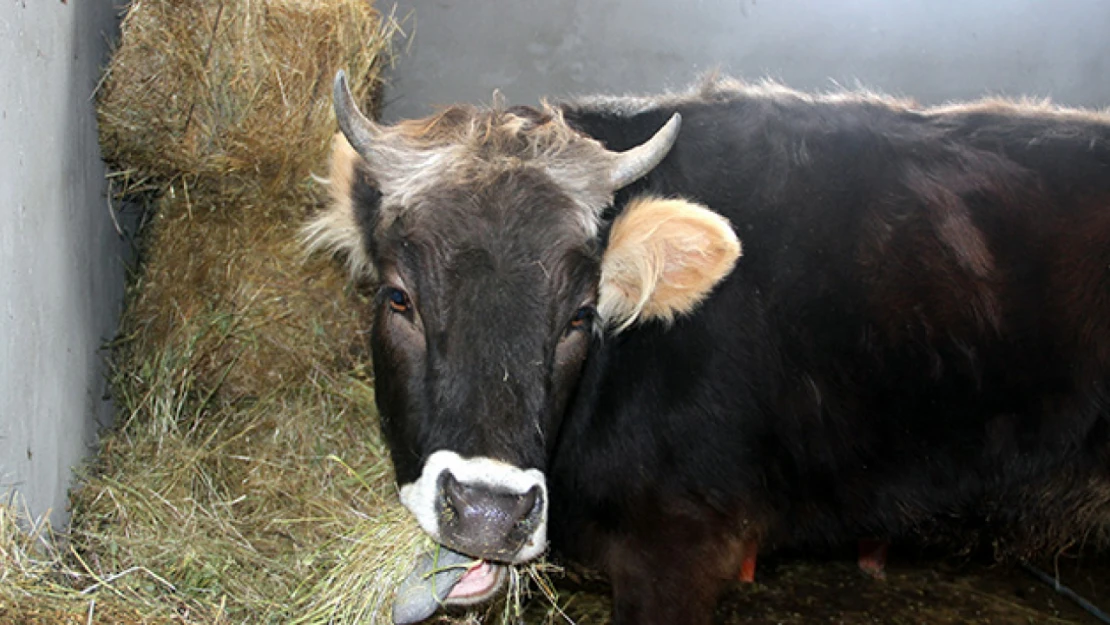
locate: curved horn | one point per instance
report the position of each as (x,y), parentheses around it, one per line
(360,131)
(630,165)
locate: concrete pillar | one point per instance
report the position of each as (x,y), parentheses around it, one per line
(61,268)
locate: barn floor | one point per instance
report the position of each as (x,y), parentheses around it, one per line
(796,592)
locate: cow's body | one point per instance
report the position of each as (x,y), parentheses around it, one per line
(919,329)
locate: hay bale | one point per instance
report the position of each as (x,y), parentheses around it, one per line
(233,96)
(225,109)
(239,374)
(232,277)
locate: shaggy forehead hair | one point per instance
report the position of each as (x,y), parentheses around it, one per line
(465,145)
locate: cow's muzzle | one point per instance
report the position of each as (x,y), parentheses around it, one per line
(480,506)
(486,522)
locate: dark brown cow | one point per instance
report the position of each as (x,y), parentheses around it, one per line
(569,347)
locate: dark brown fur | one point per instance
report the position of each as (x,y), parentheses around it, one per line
(914,344)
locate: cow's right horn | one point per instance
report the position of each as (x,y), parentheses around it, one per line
(632,164)
(360,131)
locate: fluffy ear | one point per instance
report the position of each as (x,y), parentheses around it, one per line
(338,228)
(664,258)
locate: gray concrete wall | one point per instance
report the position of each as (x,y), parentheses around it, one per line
(61,274)
(933,50)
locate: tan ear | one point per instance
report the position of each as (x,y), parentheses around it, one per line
(335,229)
(664,257)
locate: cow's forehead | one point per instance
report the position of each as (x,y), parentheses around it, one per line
(519,223)
(489,153)
(518,202)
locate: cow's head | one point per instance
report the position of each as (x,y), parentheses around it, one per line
(484,229)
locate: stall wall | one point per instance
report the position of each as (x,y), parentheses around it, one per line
(61,269)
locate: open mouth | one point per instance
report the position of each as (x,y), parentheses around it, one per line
(478,583)
(443,577)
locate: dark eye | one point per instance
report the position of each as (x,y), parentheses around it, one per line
(398,300)
(582,319)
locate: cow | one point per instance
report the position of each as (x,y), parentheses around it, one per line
(646,331)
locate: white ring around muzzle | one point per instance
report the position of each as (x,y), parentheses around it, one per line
(420,496)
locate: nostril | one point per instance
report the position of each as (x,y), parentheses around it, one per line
(528,505)
(453,495)
(537,506)
(469,503)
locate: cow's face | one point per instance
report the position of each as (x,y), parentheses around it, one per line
(481,323)
(483,229)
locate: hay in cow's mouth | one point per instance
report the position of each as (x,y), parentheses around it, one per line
(442,577)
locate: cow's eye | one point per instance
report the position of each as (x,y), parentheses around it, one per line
(398,300)
(582,319)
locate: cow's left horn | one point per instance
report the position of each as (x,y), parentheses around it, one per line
(630,165)
(360,131)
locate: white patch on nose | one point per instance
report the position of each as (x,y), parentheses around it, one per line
(420,496)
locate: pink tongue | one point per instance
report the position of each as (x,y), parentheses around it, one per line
(476,582)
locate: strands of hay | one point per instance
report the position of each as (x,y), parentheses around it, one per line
(238,375)
(232,95)
(224,108)
(38,585)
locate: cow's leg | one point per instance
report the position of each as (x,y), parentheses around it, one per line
(675,576)
(668,590)
(872,557)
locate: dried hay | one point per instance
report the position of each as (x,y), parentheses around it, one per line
(224,109)
(245,480)
(234,96)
